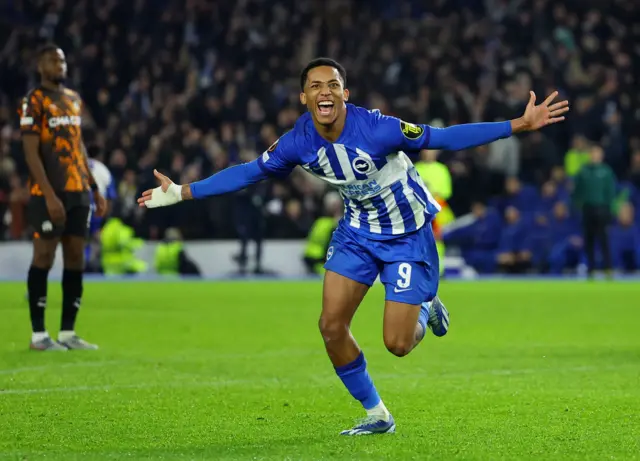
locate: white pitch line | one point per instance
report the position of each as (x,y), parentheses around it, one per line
(159,385)
(11,371)
(180,358)
(314,382)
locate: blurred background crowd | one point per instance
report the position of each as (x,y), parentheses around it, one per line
(193,86)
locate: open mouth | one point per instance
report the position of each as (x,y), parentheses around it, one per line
(325,107)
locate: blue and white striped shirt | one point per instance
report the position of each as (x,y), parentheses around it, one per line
(383,194)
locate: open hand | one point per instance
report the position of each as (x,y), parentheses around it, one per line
(547,113)
(166,194)
(56,210)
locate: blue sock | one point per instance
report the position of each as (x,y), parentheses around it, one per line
(356,379)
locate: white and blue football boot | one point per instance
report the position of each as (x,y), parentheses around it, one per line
(372,425)
(438,316)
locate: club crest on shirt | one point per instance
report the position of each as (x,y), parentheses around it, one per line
(411,131)
(362,165)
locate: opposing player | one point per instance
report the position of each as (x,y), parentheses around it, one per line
(60,185)
(386,229)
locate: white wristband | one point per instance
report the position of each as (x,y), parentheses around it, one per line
(159,198)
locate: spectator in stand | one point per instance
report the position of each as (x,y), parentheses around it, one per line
(565,243)
(625,241)
(514,254)
(522,197)
(479,239)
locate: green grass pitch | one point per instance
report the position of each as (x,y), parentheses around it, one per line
(213,370)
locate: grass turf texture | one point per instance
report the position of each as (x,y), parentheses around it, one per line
(536,370)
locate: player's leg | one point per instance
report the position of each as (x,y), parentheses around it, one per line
(411,301)
(44,250)
(341,297)
(602,235)
(350,272)
(73,248)
(403,329)
(45,241)
(589,239)
(411,306)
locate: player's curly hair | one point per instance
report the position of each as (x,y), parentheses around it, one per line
(318,62)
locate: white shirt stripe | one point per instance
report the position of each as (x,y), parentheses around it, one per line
(397,223)
(416,177)
(372,216)
(355,217)
(323,162)
(414,202)
(354,212)
(345,164)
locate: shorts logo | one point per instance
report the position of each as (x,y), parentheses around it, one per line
(329,253)
(362,165)
(411,131)
(47,226)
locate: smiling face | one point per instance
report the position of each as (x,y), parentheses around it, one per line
(324,95)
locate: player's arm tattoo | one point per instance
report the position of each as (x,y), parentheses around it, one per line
(31,146)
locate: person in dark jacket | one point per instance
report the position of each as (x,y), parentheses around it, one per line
(593,195)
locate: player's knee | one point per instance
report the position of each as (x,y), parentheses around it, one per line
(332,329)
(74,261)
(398,346)
(43,256)
(73,255)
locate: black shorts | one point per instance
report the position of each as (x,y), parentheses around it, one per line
(77,206)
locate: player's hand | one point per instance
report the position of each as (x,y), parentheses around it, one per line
(101,204)
(166,194)
(56,211)
(547,113)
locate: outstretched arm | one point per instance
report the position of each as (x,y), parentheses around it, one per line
(470,135)
(396,134)
(228,180)
(277,161)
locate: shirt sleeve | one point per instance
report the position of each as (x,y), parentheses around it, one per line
(30,115)
(395,134)
(230,179)
(281,158)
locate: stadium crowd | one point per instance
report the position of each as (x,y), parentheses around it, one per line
(192,86)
